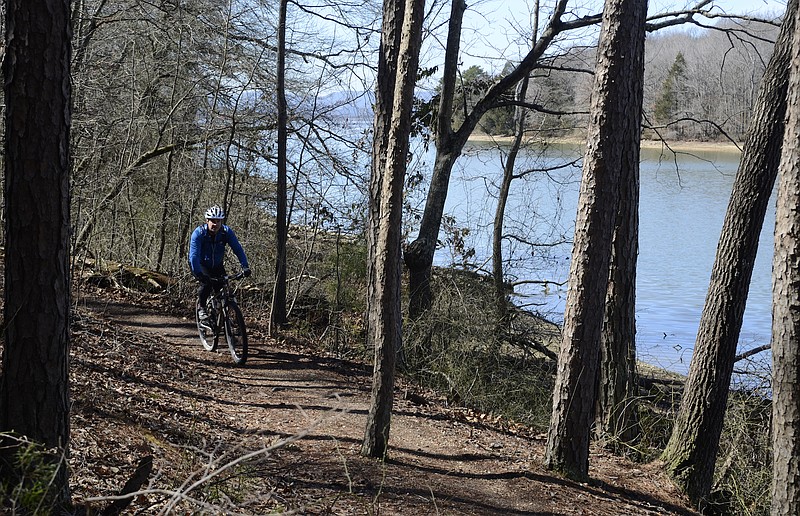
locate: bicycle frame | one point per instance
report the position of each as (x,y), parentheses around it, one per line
(219,299)
(225,320)
(221,291)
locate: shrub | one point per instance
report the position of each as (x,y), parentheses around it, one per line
(28,486)
(456,349)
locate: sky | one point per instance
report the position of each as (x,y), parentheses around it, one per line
(498,27)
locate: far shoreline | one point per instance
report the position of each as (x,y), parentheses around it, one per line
(666,145)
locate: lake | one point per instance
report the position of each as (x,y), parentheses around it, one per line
(683,203)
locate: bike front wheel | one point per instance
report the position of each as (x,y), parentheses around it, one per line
(236,334)
(208,337)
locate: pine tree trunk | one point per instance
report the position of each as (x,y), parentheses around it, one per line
(34,394)
(786,310)
(617,418)
(613,115)
(384,313)
(690,454)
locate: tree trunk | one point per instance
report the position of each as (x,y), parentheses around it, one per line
(786,307)
(501,299)
(391,30)
(617,418)
(500,296)
(376,435)
(614,113)
(690,454)
(162,233)
(384,310)
(419,254)
(278,311)
(617,409)
(34,394)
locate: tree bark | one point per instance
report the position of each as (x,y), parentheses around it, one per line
(690,454)
(498,275)
(34,393)
(786,307)
(617,418)
(419,253)
(391,29)
(385,316)
(614,114)
(278,310)
(162,234)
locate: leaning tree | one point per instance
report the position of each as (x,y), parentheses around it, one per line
(612,146)
(690,454)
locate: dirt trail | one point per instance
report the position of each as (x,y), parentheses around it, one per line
(142,384)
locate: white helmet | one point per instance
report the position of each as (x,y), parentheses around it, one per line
(215,212)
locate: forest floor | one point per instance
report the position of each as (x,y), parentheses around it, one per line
(284,432)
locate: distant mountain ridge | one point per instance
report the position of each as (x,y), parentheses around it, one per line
(353,105)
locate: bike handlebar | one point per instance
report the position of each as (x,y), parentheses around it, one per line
(224,279)
(239,275)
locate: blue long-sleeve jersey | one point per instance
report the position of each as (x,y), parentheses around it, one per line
(207,251)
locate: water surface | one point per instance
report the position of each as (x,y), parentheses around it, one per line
(683,203)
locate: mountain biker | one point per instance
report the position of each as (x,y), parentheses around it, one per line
(207,254)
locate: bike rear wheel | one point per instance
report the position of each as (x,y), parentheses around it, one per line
(208,338)
(236,334)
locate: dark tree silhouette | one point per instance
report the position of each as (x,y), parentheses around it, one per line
(34,394)
(278,310)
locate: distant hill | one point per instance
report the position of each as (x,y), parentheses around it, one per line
(352,105)
(356,105)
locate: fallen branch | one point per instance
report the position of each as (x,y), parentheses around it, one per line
(133,484)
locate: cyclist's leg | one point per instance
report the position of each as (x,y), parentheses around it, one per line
(236,333)
(203,290)
(208,338)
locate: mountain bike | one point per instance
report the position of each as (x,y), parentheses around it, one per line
(224,319)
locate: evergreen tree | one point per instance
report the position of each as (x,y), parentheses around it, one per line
(668,102)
